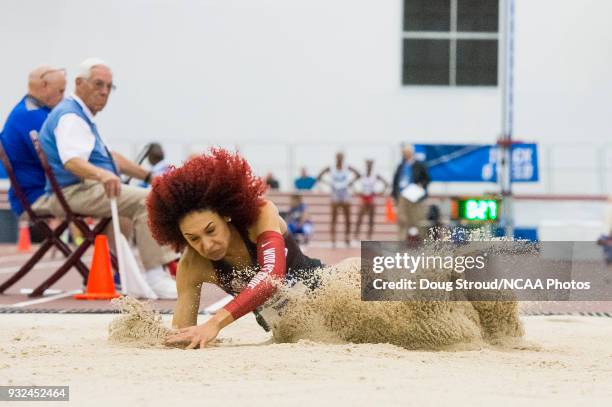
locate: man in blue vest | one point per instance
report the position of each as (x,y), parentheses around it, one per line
(410,183)
(88,171)
(45,90)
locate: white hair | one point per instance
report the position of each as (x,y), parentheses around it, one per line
(86,66)
(408,147)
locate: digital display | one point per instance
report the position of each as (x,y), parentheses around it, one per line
(475,209)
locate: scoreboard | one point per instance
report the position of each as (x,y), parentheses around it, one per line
(475,209)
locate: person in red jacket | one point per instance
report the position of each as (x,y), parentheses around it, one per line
(213,208)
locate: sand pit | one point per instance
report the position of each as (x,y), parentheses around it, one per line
(572,366)
(326,347)
(335,313)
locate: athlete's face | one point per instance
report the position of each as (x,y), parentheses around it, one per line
(339,159)
(207,232)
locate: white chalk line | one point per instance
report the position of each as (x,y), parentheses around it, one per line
(47,292)
(46,299)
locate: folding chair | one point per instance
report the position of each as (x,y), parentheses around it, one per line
(51,237)
(144,153)
(89,235)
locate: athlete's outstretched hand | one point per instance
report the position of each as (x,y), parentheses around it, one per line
(195,336)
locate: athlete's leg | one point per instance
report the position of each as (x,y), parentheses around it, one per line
(334,216)
(362,211)
(346,208)
(370,210)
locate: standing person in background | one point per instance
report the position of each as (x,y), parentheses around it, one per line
(305,182)
(367,194)
(46,87)
(409,190)
(340,181)
(272,182)
(606,238)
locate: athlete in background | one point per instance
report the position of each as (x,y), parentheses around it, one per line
(341,176)
(367,192)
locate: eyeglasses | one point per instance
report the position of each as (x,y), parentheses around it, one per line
(100,84)
(47,72)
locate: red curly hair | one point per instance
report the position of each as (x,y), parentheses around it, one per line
(218,180)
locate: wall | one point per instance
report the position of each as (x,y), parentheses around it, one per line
(291,81)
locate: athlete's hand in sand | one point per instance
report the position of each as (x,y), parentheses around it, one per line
(195,336)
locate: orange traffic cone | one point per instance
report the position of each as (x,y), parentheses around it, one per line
(100,285)
(390,216)
(24,243)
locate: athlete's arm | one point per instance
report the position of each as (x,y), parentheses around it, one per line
(323,172)
(385,184)
(355,172)
(194,270)
(271,260)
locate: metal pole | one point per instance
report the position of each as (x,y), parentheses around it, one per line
(505,145)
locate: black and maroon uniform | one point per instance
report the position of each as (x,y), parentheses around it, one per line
(274,256)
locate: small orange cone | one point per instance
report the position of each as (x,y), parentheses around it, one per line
(390,216)
(100,285)
(24,244)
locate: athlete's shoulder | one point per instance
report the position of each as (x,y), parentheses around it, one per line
(268,208)
(269,219)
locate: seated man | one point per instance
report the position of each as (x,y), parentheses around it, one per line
(88,172)
(298,221)
(45,90)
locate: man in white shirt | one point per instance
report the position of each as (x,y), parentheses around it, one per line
(89,173)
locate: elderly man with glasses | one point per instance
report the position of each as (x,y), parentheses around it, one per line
(45,90)
(88,172)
